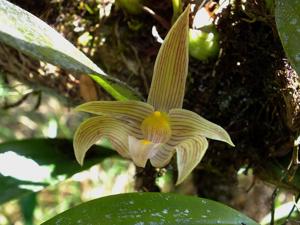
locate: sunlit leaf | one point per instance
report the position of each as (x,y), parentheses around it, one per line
(150,208)
(28,203)
(32,164)
(29,34)
(287,16)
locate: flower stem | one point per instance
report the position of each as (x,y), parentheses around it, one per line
(145,179)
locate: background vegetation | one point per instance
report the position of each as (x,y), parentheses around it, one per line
(249,87)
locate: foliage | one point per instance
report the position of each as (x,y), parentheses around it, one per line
(34,37)
(33,164)
(30,35)
(288,24)
(151,208)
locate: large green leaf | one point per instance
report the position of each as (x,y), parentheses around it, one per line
(150,209)
(287,16)
(29,34)
(32,164)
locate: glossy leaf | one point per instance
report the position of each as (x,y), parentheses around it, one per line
(29,34)
(32,164)
(150,208)
(287,16)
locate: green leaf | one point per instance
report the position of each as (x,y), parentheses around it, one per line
(29,34)
(150,209)
(287,16)
(177,9)
(31,165)
(28,204)
(116,90)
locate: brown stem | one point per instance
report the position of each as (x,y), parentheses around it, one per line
(145,179)
(160,19)
(274,195)
(20,101)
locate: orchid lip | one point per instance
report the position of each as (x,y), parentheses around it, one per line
(141,150)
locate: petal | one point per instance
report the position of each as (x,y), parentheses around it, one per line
(185,123)
(171,67)
(189,154)
(134,110)
(93,129)
(162,156)
(141,150)
(166,151)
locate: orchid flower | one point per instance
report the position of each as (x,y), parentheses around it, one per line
(157,129)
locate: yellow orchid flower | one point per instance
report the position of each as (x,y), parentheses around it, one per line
(157,129)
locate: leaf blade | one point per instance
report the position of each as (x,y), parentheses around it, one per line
(24,31)
(287,19)
(30,35)
(53,154)
(151,208)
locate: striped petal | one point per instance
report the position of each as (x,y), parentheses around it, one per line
(141,150)
(95,128)
(166,151)
(189,154)
(185,124)
(133,110)
(162,156)
(171,67)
